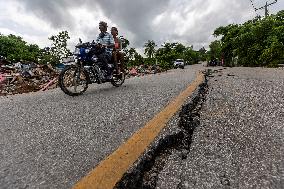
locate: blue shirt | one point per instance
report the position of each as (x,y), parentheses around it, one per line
(107,39)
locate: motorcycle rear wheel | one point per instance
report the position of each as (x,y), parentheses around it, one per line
(118,80)
(73,80)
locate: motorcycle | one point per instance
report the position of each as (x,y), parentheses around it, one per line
(74,79)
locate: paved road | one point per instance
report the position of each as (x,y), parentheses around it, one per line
(50,140)
(240,140)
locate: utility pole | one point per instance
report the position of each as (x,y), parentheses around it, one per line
(265,7)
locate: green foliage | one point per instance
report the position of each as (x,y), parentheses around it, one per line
(47,58)
(125,42)
(165,65)
(215,49)
(172,51)
(15,49)
(132,57)
(150,48)
(164,56)
(59,48)
(258,42)
(191,56)
(203,54)
(149,61)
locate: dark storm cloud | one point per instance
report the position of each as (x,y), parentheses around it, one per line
(134,16)
(190,21)
(52,11)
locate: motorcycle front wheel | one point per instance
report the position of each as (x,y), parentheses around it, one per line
(73,80)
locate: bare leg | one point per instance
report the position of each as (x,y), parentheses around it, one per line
(121,60)
(115,60)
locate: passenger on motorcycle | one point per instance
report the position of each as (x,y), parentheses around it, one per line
(106,41)
(118,56)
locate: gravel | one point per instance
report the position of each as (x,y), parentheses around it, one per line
(240,142)
(50,140)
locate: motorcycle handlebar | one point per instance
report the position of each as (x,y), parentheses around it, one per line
(88,44)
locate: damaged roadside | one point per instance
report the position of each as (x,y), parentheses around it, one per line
(229,135)
(173,144)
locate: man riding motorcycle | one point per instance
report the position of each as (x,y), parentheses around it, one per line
(118,56)
(105,40)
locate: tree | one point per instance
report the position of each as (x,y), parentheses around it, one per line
(46,57)
(133,58)
(191,56)
(125,42)
(179,48)
(202,54)
(202,50)
(150,48)
(169,52)
(59,48)
(138,59)
(15,49)
(257,42)
(215,49)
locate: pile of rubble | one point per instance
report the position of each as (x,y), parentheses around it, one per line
(23,78)
(142,70)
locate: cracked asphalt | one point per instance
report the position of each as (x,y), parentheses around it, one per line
(240,140)
(51,140)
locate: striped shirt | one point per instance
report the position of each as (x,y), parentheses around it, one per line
(106,39)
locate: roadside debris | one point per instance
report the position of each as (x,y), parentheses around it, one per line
(24,78)
(142,70)
(30,77)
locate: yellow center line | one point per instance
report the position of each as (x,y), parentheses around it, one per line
(111,169)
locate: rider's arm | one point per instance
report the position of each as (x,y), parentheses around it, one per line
(98,40)
(111,42)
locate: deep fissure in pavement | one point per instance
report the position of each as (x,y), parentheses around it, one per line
(146,170)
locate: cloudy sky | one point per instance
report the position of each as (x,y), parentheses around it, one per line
(187,21)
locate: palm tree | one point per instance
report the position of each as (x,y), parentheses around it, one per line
(150,48)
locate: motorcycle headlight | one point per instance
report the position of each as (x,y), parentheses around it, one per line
(87,50)
(77,51)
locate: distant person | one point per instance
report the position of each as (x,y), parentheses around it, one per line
(118,56)
(106,40)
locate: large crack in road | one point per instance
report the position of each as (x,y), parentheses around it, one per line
(144,174)
(229,135)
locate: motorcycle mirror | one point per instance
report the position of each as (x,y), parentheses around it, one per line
(80,40)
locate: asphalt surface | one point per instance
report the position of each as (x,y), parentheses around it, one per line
(51,140)
(240,140)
